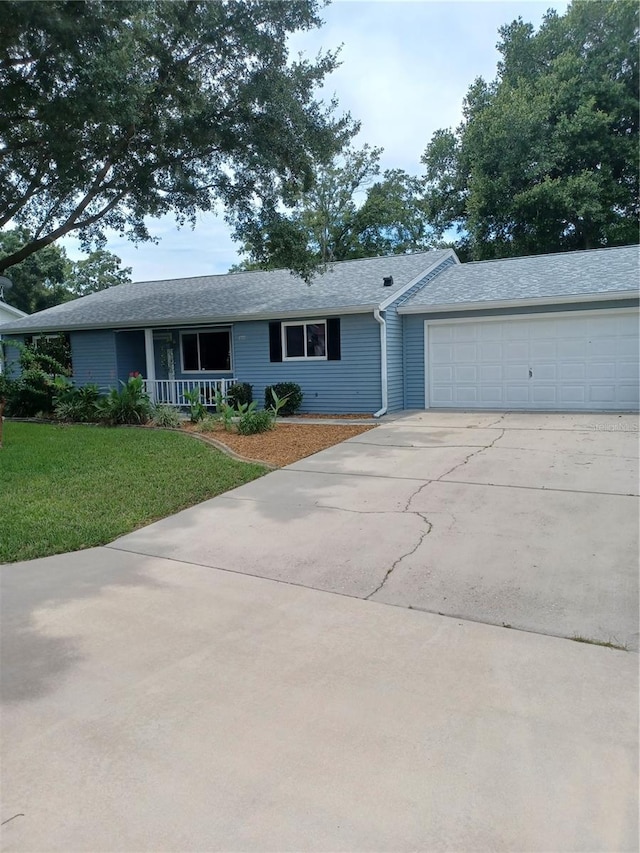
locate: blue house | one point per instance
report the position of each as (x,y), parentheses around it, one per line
(548,332)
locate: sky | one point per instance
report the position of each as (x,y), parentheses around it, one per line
(406,67)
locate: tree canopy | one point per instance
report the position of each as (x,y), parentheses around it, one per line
(351,211)
(49,277)
(546,157)
(113,112)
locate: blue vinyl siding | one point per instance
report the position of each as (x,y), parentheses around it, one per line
(93,356)
(413,327)
(395,384)
(396,388)
(130,354)
(413,346)
(349,385)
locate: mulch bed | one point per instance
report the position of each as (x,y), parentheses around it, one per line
(286,443)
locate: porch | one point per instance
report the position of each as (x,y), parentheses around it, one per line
(173,391)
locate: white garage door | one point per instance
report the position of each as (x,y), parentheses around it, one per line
(557,361)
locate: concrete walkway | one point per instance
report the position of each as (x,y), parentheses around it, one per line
(158,695)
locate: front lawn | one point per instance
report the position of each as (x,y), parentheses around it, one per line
(63,488)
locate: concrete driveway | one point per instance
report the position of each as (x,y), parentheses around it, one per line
(529,521)
(199,685)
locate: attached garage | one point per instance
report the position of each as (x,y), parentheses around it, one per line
(581,360)
(546,333)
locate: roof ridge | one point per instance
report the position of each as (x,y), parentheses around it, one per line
(330,264)
(551,254)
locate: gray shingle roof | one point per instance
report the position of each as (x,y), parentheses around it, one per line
(345,286)
(578,274)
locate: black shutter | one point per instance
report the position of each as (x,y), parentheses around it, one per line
(333,339)
(275,341)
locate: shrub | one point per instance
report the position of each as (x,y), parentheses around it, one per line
(166,416)
(75,404)
(209,423)
(130,405)
(197,409)
(291,390)
(240,392)
(32,393)
(254,422)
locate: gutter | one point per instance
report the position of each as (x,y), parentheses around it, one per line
(383,362)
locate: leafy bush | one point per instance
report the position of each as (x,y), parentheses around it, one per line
(33,391)
(166,416)
(291,390)
(240,392)
(209,423)
(130,405)
(197,409)
(253,422)
(78,405)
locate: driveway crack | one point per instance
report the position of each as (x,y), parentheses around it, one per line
(471,455)
(397,562)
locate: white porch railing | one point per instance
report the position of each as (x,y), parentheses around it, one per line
(172,391)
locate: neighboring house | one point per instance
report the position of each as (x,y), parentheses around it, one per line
(374,335)
(7,313)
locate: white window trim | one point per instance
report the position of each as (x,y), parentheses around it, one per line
(52,337)
(205,331)
(304,323)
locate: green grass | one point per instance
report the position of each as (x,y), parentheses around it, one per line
(63,488)
(607,644)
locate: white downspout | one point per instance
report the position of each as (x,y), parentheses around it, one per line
(383,363)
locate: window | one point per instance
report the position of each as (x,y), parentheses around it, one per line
(206,351)
(304,340)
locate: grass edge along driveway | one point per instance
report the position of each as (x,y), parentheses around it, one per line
(64,488)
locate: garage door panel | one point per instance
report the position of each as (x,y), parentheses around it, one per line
(563,362)
(467,394)
(465,352)
(516,371)
(442,373)
(548,372)
(516,350)
(491,373)
(626,347)
(629,394)
(569,371)
(572,348)
(466,373)
(629,370)
(517,394)
(490,351)
(572,394)
(544,394)
(441,354)
(602,393)
(545,349)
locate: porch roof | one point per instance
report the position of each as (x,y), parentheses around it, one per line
(345,287)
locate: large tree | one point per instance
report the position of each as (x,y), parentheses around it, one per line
(546,157)
(351,211)
(38,281)
(111,112)
(49,277)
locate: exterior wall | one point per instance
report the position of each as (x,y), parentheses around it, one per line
(395,384)
(130,354)
(94,358)
(414,357)
(351,384)
(395,341)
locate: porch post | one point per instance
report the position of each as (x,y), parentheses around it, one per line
(151,363)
